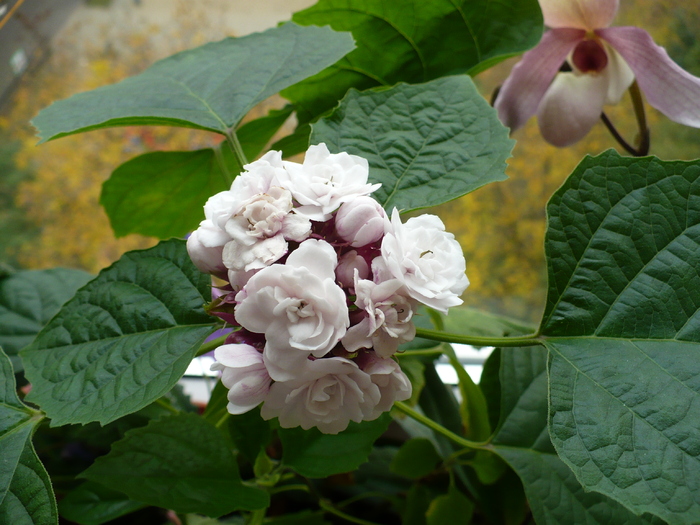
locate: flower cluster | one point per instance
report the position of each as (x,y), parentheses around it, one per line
(323,287)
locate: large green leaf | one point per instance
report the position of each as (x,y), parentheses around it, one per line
(211,87)
(622,326)
(180,462)
(161,194)
(28,299)
(554,494)
(93,504)
(413,41)
(427,144)
(317,455)
(123,341)
(26,496)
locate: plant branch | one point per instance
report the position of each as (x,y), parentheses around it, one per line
(436,427)
(236,147)
(328,507)
(163,403)
(643,139)
(446,337)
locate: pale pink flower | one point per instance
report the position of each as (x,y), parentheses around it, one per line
(388,317)
(425,258)
(348,264)
(387,375)
(604,62)
(244,374)
(297,305)
(360,221)
(326,180)
(331,393)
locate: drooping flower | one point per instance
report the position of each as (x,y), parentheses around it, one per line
(331,393)
(604,62)
(387,375)
(425,258)
(326,180)
(298,306)
(388,317)
(244,374)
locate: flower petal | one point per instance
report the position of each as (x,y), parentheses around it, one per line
(579,14)
(571,107)
(619,75)
(527,83)
(667,86)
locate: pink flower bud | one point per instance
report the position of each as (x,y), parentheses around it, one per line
(360,221)
(347,264)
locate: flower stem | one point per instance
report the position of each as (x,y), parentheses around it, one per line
(643,138)
(236,147)
(163,403)
(328,507)
(446,337)
(285,488)
(211,345)
(436,427)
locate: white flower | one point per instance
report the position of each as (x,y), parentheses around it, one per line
(427,259)
(387,375)
(260,229)
(244,374)
(348,264)
(332,392)
(297,305)
(325,181)
(360,221)
(206,244)
(388,322)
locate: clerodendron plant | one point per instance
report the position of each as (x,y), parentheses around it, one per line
(326,309)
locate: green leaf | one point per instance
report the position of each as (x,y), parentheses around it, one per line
(249,432)
(622,327)
(414,368)
(317,455)
(26,496)
(466,320)
(297,142)
(123,341)
(472,407)
(93,504)
(416,458)
(161,194)
(453,507)
(255,135)
(305,517)
(426,144)
(211,87)
(554,494)
(28,299)
(490,385)
(180,463)
(413,41)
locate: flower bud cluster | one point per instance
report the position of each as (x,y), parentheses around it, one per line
(323,287)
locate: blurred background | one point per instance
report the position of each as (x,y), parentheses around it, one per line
(49,210)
